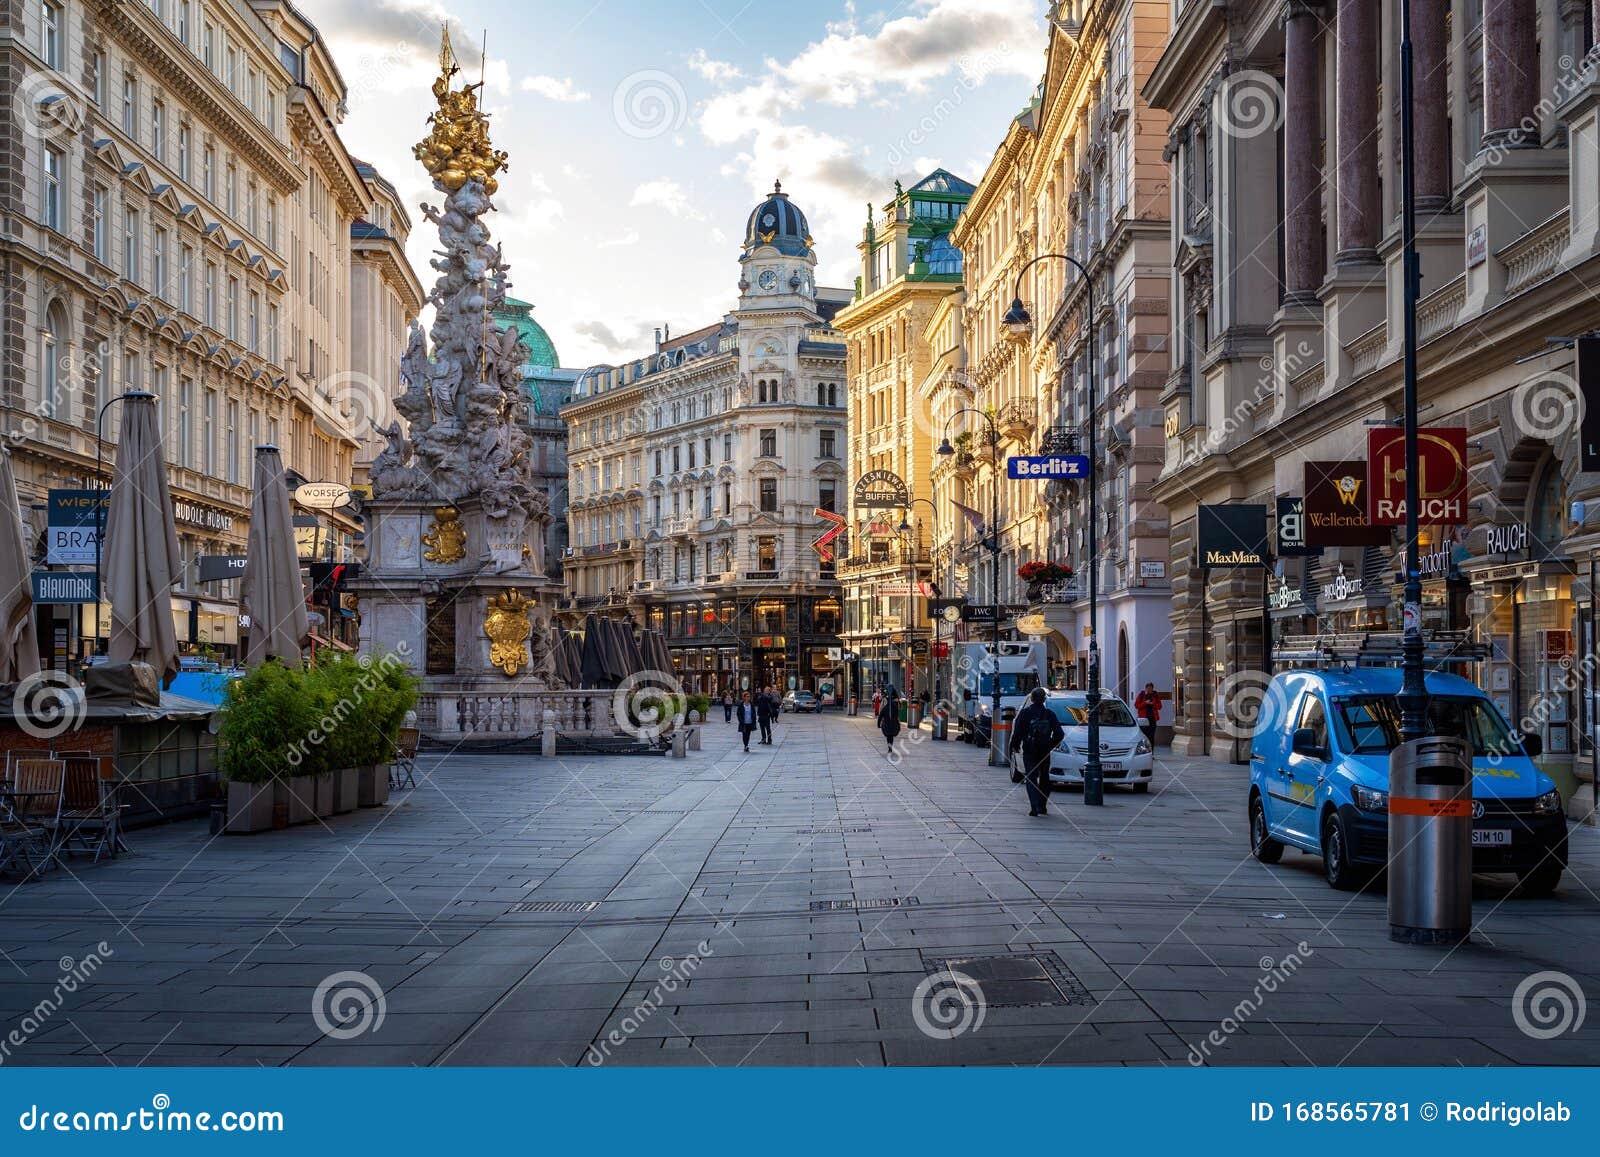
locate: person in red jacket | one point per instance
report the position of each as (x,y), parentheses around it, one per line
(1148,708)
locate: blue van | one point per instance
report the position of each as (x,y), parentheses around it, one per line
(1319,776)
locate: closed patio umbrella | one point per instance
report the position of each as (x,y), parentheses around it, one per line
(141,545)
(19,642)
(656,656)
(592,663)
(632,656)
(569,659)
(271,592)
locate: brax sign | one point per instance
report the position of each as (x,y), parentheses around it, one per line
(1441,477)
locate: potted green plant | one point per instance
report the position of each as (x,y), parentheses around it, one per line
(268,716)
(390,699)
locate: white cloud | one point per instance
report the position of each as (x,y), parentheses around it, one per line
(558,88)
(716,71)
(667,195)
(620,241)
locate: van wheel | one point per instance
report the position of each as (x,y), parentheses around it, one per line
(1540,880)
(1262,846)
(1341,871)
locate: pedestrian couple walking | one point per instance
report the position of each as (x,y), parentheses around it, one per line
(757,711)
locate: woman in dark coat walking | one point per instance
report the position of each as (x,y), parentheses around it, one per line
(889,717)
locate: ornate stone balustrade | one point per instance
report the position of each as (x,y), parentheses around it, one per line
(1438,312)
(482,715)
(1533,256)
(1366,351)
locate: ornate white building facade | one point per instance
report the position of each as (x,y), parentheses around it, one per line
(695,473)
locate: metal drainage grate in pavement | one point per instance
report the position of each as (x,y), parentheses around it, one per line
(659,811)
(830,831)
(1015,980)
(879,902)
(554,906)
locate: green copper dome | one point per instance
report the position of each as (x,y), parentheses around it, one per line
(541,350)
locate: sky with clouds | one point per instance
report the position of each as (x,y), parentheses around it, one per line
(642,132)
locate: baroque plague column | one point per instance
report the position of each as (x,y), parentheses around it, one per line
(454,581)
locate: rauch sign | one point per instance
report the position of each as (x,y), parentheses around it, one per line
(1441,476)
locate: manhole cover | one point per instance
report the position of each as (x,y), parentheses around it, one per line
(554,906)
(879,902)
(1015,980)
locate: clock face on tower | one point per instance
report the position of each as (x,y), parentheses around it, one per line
(768,280)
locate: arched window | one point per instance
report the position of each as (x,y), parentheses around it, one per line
(54,363)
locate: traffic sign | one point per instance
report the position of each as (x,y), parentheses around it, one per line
(1047,466)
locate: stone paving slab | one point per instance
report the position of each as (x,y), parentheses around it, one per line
(705,949)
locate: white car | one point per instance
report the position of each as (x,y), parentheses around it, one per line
(1126,756)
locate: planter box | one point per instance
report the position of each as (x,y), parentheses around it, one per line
(324,794)
(249,807)
(372,785)
(302,793)
(345,789)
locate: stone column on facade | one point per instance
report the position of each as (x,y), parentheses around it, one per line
(1430,78)
(1302,169)
(1356,39)
(1510,72)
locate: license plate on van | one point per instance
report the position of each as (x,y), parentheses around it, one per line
(1491,837)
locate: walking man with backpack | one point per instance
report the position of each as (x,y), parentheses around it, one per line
(1147,706)
(1036,731)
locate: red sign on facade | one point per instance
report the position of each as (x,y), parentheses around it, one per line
(1441,481)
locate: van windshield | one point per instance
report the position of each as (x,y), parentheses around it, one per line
(1370,724)
(1011,683)
(1075,712)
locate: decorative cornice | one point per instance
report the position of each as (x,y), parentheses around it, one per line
(137,27)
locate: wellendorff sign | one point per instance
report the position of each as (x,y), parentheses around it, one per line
(1336,506)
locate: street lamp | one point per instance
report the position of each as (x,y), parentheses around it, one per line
(907,528)
(997,758)
(100,483)
(1019,324)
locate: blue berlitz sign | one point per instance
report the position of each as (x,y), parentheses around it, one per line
(1048,466)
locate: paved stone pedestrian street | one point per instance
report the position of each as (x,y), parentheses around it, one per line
(800,904)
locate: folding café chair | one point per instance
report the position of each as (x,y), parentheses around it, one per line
(403,768)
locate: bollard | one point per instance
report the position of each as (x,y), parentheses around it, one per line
(694,731)
(679,744)
(941,723)
(1430,841)
(999,736)
(547,736)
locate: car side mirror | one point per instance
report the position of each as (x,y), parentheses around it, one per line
(1305,743)
(1532,746)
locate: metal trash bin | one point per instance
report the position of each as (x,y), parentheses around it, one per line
(941,723)
(1430,841)
(914,714)
(852,705)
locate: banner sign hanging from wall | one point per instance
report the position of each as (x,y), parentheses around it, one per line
(1292,528)
(1232,534)
(882,490)
(1336,506)
(1441,476)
